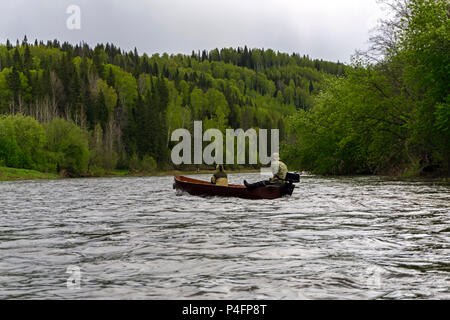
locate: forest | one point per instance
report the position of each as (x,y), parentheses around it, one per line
(90,110)
(78,110)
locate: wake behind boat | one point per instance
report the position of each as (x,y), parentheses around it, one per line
(204,188)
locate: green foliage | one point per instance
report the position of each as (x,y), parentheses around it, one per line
(101,156)
(126,105)
(134,164)
(148,164)
(391,117)
(69,146)
(22,143)
(7,174)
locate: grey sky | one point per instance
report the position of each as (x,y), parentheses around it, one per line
(327,29)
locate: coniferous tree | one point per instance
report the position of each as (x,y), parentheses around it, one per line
(28,62)
(17,60)
(14,84)
(110,80)
(101,110)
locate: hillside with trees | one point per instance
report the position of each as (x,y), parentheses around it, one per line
(86,110)
(89,110)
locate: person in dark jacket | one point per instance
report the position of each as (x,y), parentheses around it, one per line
(220,178)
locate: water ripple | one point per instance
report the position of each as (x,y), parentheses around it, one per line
(136,238)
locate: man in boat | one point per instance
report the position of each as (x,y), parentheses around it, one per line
(220,178)
(279,171)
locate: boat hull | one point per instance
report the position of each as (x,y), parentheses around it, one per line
(204,188)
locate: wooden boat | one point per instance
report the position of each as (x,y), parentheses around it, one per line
(204,188)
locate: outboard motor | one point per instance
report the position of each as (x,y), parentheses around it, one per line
(288,187)
(293,177)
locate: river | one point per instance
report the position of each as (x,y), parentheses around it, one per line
(135,238)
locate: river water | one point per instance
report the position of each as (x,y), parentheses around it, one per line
(134,238)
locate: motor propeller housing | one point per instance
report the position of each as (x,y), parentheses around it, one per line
(292,177)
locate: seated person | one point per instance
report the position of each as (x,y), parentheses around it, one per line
(279,171)
(220,178)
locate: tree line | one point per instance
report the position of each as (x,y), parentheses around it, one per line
(386,113)
(125,105)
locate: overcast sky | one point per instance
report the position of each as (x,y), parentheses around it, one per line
(326,29)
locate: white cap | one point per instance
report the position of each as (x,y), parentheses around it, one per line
(276,156)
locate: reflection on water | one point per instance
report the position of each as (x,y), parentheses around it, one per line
(133,238)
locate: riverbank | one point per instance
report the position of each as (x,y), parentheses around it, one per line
(14,174)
